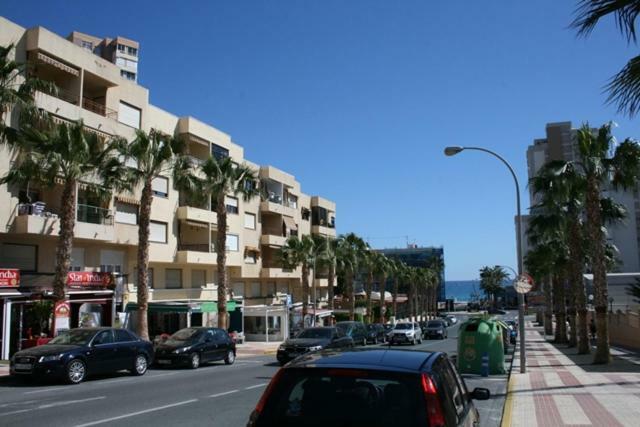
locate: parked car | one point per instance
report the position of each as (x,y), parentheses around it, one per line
(406,332)
(388,330)
(375,333)
(81,352)
(373,387)
(444,318)
(436,329)
(451,319)
(493,310)
(313,339)
(194,346)
(513,331)
(356,330)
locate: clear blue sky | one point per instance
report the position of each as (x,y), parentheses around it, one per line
(375,89)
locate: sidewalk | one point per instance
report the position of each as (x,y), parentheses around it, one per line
(252,348)
(561,388)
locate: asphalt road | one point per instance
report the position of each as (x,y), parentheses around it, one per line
(215,395)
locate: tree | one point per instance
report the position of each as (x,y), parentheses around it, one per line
(624,87)
(299,252)
(621,171)
(155,155)
(381,271)
(396,270)
(349,257)
(17,90)
(368,262)
(222,178)
(539,262)
(326,257)
(67,153)
(634,291)
(491,282)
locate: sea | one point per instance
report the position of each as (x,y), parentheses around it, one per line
(462,290)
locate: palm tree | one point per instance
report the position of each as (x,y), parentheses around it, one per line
(368,263)
(621,171)
(17,89)
(539,262)
(633,290)
(155,155)
(396,269)
(624,87)
(491,281)
(326,258)
(222,178)
(69,154)
(299,252)
(349,257)
(382,270)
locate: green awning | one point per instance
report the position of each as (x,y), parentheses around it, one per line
(182,307)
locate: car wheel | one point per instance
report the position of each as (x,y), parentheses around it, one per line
(140,365)
(413,342)
(195,361)
(364,342)
(375,341)
(230,358)
(76,371)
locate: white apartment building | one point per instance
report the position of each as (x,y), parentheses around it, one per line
(182,254)
(560,144)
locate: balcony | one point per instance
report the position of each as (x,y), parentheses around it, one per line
(196,253)
(271,206)
(98,108)
(198,214)
(278,273)
(94,223)
(272,240)
(323,230)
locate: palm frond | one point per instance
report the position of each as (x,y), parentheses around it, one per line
(589,13)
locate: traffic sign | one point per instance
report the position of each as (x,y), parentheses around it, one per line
(523,283)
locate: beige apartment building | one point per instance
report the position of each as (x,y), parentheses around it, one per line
(182,253)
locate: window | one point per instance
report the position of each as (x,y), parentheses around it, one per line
(198,278)
(129,115)
(160,186)
(128,75)
(22,257)
(219,152)
(231,204)
(121,47)
(250,221)
(149,277)
(238,289)
(111,261)
(122,335)
(173,278)
(255,289)
(250,257)
(104,337)
(126,213)
(232,242)
(318,216)
(158,232)
(306,213)
(132,51)
(86,45)
(270,288)
(77,259)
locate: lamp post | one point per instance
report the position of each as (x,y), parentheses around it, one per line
(452,151)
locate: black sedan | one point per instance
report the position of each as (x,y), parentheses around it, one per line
(436,329)
(195,346)
(368,388)
(80,352)
(312,339)
(376,333)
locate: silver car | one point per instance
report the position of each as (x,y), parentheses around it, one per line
(406,332)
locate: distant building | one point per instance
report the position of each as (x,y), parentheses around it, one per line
(120,51)
(415,256)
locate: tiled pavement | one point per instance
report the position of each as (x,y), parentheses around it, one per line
(561,388)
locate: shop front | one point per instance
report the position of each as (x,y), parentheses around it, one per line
(268,323)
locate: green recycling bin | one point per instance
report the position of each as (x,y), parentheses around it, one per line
(478,338)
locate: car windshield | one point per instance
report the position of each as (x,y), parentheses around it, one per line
(434,324)
(187,334)
(403,326)
(74,337)
(354,396)
(315,333)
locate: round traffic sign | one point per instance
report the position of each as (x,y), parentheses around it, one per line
(523,283)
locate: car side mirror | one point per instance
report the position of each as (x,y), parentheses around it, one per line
(480,393)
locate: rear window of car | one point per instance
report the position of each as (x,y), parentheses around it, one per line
(434,324)
(345,397)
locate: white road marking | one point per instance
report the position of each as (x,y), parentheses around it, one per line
(224,393)
(255,386)
(51,405)
(43,390)
(133,414)
(23,402)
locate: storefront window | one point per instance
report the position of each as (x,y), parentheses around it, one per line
(257,325)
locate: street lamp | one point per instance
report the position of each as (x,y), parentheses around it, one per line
(452,151)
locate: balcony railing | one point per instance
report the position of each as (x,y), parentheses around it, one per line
(196,247)
(91,105)
(274,198)
(94,215)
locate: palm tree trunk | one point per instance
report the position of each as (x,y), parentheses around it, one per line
(221,260)
(596,238)
(560,309)
(383,303)
(579,291)
(394,297)
(332,278)
(369,301)
(351,296)
(304,281)
(143,261)
(65,239)
(548,306)
(571,308)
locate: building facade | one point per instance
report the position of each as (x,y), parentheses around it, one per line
(182,255)
(560,144)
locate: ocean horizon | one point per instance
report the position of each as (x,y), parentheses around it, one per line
(462,290)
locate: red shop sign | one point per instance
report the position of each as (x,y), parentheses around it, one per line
(89,279)
(9,278)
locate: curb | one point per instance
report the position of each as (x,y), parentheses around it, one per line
(507,412)
(271,352)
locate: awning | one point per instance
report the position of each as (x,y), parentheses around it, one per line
(289,223)
(60,120)
(59,65)
(197,223)
(182,307)
(251,249)
(128,200)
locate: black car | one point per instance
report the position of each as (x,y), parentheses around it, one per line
(356,330)
(194,346)
(372,387)
(436,329)
(312,339)
(376,333)
(80,352)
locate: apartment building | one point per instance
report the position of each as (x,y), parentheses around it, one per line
(182,252)
(560,144)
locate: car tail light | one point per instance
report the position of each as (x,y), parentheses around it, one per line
(265,396)
(434,409)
